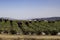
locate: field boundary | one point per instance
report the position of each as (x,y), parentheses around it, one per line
(29,36)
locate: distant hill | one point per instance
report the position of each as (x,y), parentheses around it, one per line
(48,19)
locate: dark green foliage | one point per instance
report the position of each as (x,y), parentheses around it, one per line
(0,20)
(5,31)
(0,31)
(11,23)
(13,32)
(53,32)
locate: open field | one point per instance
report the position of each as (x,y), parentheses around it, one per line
(28,37)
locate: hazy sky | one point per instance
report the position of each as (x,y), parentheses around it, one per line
(25,9)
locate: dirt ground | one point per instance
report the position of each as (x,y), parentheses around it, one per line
(26,37)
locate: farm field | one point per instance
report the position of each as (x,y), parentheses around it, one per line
(27,37)
(29,29)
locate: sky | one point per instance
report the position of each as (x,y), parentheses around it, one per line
(26,9)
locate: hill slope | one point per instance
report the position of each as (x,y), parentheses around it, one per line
(26,27)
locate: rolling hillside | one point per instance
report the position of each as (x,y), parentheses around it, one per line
(37,26)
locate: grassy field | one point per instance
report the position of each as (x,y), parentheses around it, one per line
(27,37)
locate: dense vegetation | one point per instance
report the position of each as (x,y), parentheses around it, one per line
(26,27)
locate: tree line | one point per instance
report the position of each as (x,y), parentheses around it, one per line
(26,27)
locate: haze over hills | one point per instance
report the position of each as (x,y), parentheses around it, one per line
(47,18)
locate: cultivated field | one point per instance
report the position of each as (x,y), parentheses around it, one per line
(27,37)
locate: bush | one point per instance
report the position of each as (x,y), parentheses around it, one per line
(5,31)
(13,32)
(54,32)
(0,31)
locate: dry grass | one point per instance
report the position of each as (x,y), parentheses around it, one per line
(27,37)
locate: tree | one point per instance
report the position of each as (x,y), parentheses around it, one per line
(15,27)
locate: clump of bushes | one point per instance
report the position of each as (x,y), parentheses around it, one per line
(29,27)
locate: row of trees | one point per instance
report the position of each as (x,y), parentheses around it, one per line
(29,27)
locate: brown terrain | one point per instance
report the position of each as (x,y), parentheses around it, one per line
(27,37)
